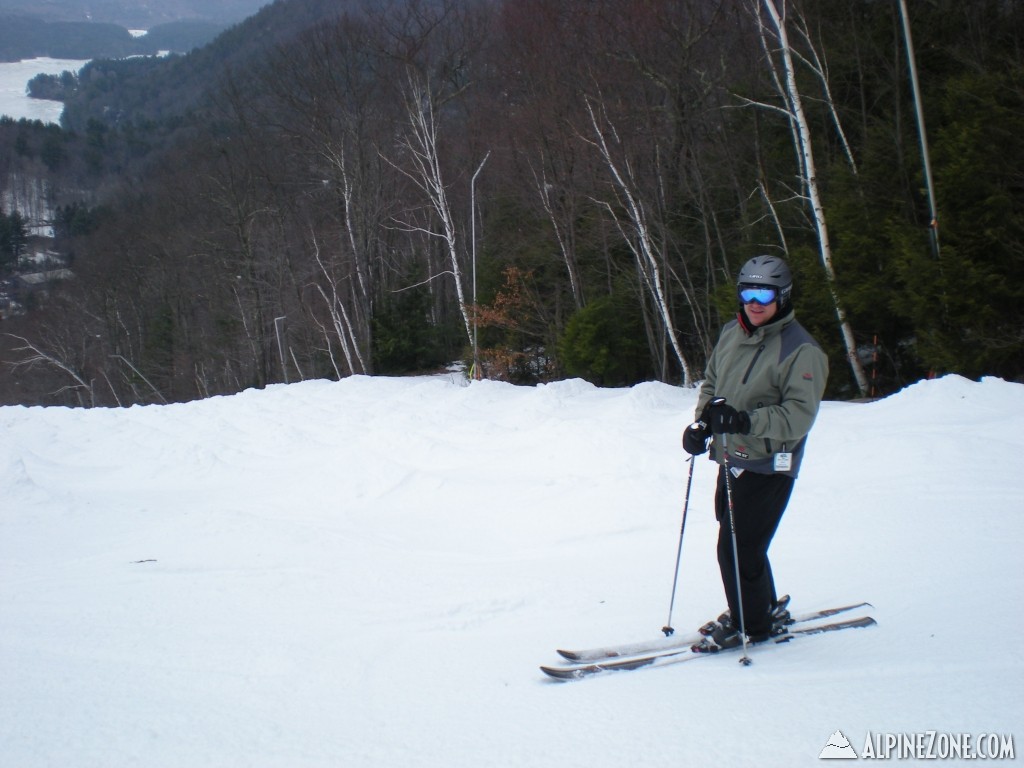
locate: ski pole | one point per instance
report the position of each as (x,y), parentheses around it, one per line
(745,661)
(667,629)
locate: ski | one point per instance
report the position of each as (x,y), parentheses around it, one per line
(669,644)
(579,671)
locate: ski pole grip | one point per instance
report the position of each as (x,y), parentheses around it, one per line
(702,421)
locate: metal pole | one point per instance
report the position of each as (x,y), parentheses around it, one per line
(280,347)
(472,219)
(745,661)
(668,629)
(934,223)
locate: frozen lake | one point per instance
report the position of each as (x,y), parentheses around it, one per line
(14,77)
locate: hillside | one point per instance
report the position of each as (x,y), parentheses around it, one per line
(543,188)
(64,29)
(148,91)
(134,14)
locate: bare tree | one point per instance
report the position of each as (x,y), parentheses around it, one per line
(560,208)
(329,104)
(433,48)
(639,236)
(68,357)
(341,327)
(421,148)
(794,110)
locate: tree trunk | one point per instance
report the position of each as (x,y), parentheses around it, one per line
(640,242)
(796,111)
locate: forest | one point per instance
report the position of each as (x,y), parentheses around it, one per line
(26,37)
(132,14)
(538,188)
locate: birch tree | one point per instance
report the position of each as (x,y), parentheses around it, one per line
(329,104)
(795,112)
(433,48)
(560,208)
(636,231)
(420,145)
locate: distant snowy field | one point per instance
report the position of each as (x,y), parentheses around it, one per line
(14,77)
(369,572)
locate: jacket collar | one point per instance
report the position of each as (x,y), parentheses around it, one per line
(772,326)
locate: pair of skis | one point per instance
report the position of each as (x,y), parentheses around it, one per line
(664,651)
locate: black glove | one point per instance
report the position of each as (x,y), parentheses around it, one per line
(695,438)
(722,417)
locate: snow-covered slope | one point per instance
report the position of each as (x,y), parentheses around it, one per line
(369,572)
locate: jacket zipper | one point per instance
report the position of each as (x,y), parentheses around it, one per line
(753,362)
(746,375)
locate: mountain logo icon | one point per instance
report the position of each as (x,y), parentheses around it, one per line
(838,748)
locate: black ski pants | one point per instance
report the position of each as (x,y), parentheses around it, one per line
(758,501)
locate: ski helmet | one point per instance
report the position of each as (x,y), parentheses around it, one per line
(769,271)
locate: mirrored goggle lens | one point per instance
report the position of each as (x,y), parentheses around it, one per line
(757,295)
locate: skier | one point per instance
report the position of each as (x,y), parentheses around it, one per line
(764,382)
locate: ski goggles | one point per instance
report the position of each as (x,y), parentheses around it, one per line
(757,295)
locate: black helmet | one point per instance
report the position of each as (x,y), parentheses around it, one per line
(769,271)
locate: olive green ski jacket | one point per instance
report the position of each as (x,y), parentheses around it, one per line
(777,374)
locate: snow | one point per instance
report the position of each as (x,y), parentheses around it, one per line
(369,572)
(14,78)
